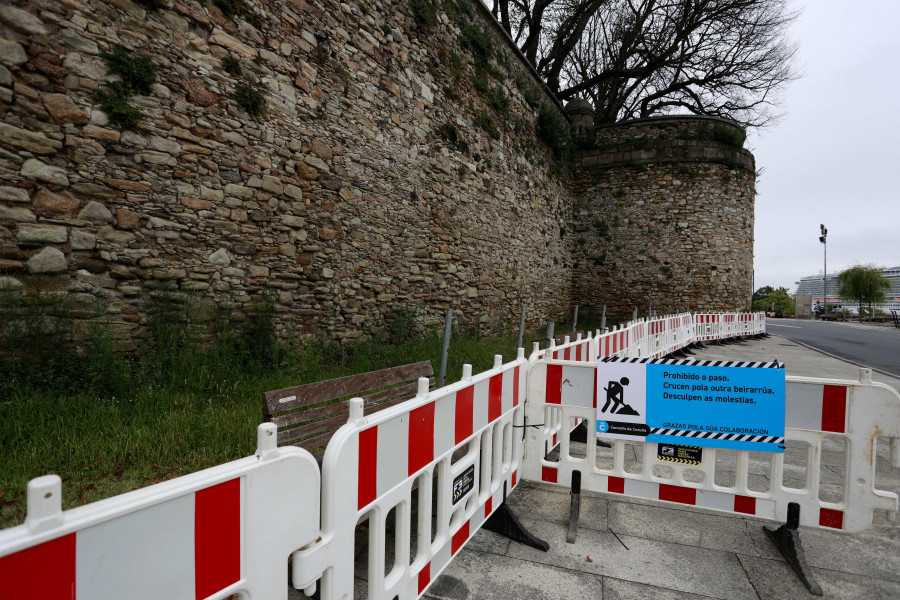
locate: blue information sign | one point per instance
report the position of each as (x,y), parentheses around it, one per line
(691,404)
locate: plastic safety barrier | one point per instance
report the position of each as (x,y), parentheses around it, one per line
(404,457)
(581,349)
(447,457)
(851,414)
(210,534)
(706,327)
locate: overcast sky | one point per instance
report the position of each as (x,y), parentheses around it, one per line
(835,156)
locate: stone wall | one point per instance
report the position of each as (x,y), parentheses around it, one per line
(377,176)
(664,217)
(395,163)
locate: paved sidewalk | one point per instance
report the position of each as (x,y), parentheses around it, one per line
(632,549)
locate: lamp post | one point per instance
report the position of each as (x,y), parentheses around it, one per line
(823,238)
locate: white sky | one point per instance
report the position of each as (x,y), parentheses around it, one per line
(835,156)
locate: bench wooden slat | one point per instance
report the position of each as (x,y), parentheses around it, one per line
(314,443)
(331,425)
(311,414)
(406,392)
(322,391)
(325,425)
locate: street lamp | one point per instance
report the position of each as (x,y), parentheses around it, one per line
(823,238)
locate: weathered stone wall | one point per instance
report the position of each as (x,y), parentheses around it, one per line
(370,180)
(664,217)
(393,165)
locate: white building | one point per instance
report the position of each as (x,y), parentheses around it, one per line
(812,285)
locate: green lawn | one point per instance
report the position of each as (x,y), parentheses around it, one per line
(190,409)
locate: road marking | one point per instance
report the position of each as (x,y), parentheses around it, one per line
(777,325)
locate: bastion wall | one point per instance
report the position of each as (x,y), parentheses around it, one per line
(663,217)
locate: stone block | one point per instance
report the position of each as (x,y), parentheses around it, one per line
(114,236)
(82,240)
(63,109)
(12,194)
(293,191)
(16,214)
(164,145)
(196,203)
(220,258)
(48,260)
(96,213)
(272,184)
(41,171)
(127,219)
(258,271)
(44,234)
(8,284)
(12,53)
(292,221)
(51,204)
(22,21)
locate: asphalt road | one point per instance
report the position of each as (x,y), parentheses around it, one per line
(864,345)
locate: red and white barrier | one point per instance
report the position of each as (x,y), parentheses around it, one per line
(857,411)
(225,530)
(378,464)
(707,327)
(230,529)
(580,349)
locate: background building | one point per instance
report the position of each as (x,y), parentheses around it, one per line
(812,285)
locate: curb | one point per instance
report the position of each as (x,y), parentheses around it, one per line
(846,360)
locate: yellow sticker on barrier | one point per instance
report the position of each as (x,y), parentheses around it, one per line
(687,455)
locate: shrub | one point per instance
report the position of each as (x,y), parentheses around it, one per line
(423,12)
(231,8)
(114,102)
(485,121)
(476,41)
(499,101)
(152,4)
(553,129)
(479,80)
(727,134)
(232,65)
(248,98)
(138,72)
(456,66)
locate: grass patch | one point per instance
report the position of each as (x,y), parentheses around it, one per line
(188,399)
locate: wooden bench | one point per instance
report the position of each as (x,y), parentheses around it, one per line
(560,339)
(308,415)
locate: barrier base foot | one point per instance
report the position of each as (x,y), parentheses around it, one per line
(787,539)
(579,434)
(505,522)
(687,351)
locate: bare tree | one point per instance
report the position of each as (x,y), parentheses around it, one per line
(636,58)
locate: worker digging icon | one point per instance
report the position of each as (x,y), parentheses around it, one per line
(615,394)
(622,414)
